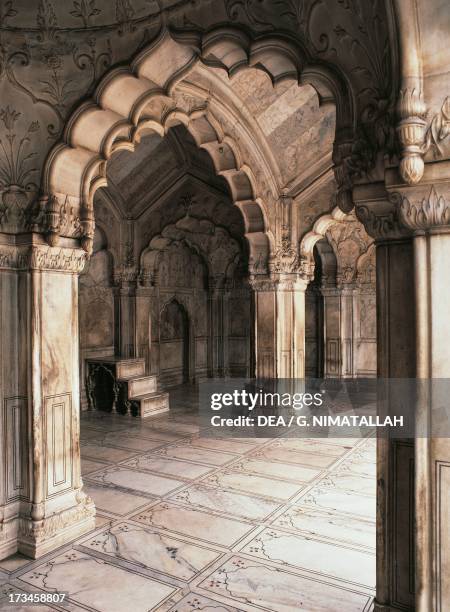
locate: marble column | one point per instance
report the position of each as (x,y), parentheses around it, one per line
(42,505)
(411,225)
(279,307)
(144,300)
(347,331)
(126,341)
(332,332)
(217,327)
(364,342)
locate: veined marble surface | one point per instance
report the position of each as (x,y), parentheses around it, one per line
(234,504)
(188,523)
(332,525)
(192,453)
(276,452)
(258,485)
(314,555)
(95,583)
(149,548)
(135,480)
(268,588)
(170,467)
(196,523)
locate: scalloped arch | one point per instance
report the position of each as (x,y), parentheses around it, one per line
(319,230)
(139,98)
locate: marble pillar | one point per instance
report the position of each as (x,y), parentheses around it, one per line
(126,341)
(42,505)
(332,332)
(217,327)
(347,303)
(279,308)
(146,306)
(411,225)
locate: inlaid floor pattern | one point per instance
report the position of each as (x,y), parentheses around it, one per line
(188,523)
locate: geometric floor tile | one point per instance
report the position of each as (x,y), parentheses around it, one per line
(259,485)
(234,504)
(92,582)
(194,602)
(113,500)
(195,523)
(152,549)
(328,524)
(169,467)
(242,581)
(354,566)
(141,482)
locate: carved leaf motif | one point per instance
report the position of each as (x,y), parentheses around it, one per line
(124,14)
(438,130)
(46,19)
(14,161)
(6,11)
(431,211)
(84,10)
(445,124)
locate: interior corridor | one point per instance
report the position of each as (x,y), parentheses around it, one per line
(186,522)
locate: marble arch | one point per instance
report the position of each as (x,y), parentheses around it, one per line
(346,290)
(214,245)
(130,101)
(319,230)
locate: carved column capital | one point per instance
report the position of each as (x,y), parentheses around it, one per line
(52,216)
(424,207)
(279,282)
(394,209)
(378,213)
(126,278)
(42,257)
(217,283)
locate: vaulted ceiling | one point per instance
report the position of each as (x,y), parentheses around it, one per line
(286,120)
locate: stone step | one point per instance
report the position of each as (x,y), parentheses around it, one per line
(141,385)
(122,368)
(150,405)
(129,368)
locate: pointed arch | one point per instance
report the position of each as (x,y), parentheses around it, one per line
(133,100)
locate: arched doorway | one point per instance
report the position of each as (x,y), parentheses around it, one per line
(314,324)
(341,298)
(174,345)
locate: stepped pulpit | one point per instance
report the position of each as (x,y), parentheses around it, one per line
(118,385)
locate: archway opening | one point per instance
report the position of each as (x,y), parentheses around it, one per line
(174,344)
(343,290)
(166,232)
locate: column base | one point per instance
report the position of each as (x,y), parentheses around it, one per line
(9,530)
(37,538)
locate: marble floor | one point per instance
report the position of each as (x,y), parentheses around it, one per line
(187,523)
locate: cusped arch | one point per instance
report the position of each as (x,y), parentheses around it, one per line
(319,230)
(214,245)
(131,101)
(366,265)
(323,226)
(328,262)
